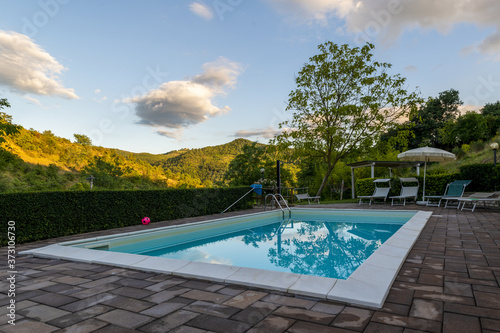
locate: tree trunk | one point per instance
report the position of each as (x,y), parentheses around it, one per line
(325,180)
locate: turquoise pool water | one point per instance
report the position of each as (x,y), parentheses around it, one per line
(312,242)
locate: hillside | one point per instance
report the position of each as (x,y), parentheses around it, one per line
(207,164)
(32,157)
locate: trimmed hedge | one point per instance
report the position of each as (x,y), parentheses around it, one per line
(43,215)
(434,184)
(485,177)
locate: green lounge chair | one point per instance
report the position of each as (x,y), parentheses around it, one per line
(453,191)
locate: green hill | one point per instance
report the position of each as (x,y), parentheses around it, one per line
(42,161)
(207,164)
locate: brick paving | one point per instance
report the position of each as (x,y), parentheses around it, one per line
(450,282)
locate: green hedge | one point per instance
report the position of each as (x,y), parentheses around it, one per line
(43,215)
(485,177)
(434,184)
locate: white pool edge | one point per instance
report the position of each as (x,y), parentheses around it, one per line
(369,285)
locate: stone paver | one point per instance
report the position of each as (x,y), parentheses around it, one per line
(450,282)
(217,324)
(124,318)
(353,318)
(165,308)
(42,312)
(245,299)
(170,322)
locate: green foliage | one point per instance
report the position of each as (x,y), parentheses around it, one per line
(6,126)
(467,128)
(82,139)
(364,186)
(198,167)
(112,168)
(431,118)
(43,215)
(485,177)
(343,100)
(434,184)
(245,168)
(491,111)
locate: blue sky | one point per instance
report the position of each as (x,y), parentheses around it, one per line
(156,76)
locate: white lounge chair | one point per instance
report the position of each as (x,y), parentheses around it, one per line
(490,198)
(306,196)
(407,192)
(379,193)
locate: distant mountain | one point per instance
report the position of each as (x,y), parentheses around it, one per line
(207,164)
(70,163)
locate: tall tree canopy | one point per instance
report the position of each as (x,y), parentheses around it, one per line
(343,100)
(491,111)
(432,117)
(6,126)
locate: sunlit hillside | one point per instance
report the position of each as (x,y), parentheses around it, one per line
(34,156)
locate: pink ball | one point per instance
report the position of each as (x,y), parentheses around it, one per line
(146,220)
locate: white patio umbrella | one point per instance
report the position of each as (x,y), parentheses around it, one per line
(427,154)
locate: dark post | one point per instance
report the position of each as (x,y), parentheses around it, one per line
(91,179)
(494,146)
(278,176)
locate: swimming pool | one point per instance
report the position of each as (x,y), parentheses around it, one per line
(355,253)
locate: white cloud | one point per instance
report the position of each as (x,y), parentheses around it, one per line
(27,68)
(314,10)
(468,107)
(201,10)
(33,100)
(411,68)
(179,104)
(386,20)
(266,133)
(100,99)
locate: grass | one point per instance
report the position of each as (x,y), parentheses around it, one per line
(475,153)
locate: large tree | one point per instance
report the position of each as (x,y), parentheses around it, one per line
(431,118)
(343,100)
(6,126)
(491,112)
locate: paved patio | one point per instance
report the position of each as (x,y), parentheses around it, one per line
(450,282)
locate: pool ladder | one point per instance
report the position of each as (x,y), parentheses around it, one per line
(275,197)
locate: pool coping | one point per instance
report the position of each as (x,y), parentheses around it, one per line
(369,285)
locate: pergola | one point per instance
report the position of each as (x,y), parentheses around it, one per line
(381,164)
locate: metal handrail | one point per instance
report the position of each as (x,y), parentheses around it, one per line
(274,196)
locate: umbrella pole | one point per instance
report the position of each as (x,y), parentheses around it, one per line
(425,172)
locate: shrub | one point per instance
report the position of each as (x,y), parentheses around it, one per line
(484,177)
(43,215)
(434,184)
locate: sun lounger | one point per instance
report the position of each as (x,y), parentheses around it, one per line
(379,193)
(407,192)
(475,198)
(306,196)
(453,191)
